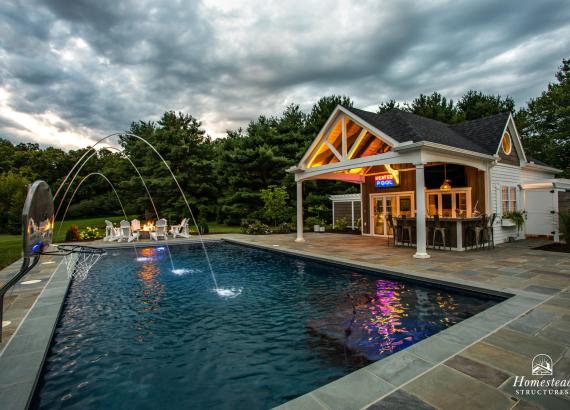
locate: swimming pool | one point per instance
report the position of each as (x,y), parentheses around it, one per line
(134,334)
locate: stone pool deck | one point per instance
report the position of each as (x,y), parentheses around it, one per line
(470,365)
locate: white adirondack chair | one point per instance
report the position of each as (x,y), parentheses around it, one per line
(180,230)
(111,233)
(160,230)
(124,231)
(135,230)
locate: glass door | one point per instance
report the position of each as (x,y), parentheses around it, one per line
(389,207)
(383,206)
(379,219)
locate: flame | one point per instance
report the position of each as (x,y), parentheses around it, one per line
(148,226)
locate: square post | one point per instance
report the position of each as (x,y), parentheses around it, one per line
(300,212)
(421,251)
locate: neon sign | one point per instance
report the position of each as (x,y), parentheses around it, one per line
(384,181)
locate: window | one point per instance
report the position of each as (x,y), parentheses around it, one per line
(506,144)
(449,204)
(509,197)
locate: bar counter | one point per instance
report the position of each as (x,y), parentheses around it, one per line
(456,231)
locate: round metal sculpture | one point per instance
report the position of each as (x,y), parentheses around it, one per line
(37,219)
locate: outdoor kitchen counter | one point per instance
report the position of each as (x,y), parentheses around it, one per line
(455,235)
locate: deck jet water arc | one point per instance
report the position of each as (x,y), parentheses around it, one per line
(80,163)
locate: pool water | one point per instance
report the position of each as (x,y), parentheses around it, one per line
(133,334)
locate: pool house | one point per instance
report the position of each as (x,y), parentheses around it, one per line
(433,184)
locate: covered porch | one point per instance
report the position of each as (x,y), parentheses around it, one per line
(423,183)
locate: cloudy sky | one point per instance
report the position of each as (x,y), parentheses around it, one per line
(75,70)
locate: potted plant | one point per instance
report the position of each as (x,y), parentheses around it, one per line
(513,218)
(316,222)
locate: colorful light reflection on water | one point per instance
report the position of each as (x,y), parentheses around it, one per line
(387,313)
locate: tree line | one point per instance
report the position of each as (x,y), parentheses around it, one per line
(230,179)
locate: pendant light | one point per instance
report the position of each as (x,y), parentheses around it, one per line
(446,186)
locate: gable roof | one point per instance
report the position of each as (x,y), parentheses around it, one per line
(482,135)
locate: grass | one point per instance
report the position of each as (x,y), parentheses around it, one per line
(10,249)
(11,245)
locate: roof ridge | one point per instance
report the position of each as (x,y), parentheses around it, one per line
(480,118)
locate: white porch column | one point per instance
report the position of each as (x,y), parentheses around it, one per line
(300,212)
(420,214)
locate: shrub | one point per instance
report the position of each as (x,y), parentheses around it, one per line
(285,227)
(565,226)
(314,220)
(72,235)
(341,224)
(203,227)
(255,228)
(90,233)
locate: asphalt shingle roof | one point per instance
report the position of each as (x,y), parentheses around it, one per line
(482,135)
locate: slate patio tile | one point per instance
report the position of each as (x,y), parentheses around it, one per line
(305,402)
(542,289)
(402,401)
(479,371)
(449,389)
(399,368)
(525,345)
(15,396)
(545,401)
(533,321)
(498,358)
(557,332)
(435,348)
(353,391)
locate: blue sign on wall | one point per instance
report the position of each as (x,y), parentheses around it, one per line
(384,181)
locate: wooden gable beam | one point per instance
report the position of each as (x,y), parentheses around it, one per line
(357,143)
(333,150)
(343,136)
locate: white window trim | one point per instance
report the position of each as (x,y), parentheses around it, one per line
(453,191)
(501,200)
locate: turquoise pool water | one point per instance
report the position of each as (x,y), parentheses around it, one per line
(134,334)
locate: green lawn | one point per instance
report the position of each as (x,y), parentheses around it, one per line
(10,249)
(11,245)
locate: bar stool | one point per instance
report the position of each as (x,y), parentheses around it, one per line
(488,235)
(471,238)
(406,228)
(391,227)
(480,229)
(442,230)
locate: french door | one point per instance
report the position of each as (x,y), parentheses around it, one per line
(397,204)
(382,206)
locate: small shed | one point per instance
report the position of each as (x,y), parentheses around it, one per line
(347,206)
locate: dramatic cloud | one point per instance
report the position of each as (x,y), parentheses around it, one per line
(72,71)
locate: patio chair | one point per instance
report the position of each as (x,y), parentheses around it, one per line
(124,231)
(180,230)
(160,230)
(135,230)
(111,233)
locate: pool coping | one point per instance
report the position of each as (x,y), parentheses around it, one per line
(31,342)
(32,339)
